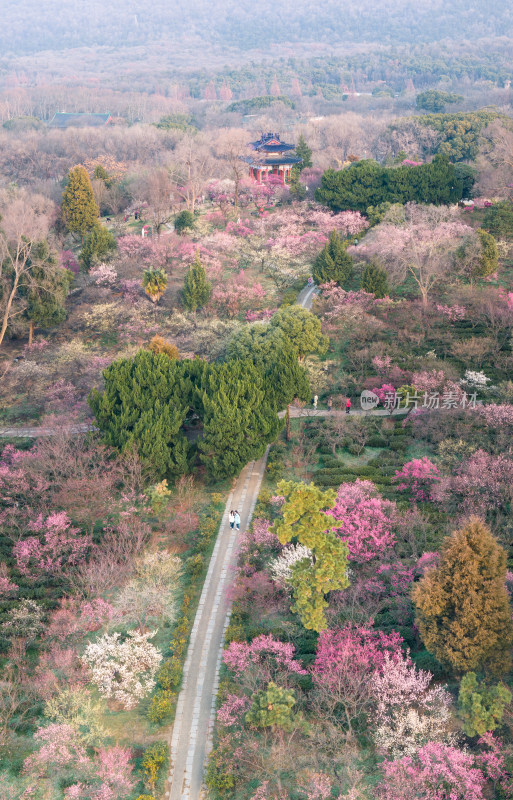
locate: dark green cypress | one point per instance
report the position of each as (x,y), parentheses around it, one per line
(239,420)
(333,262)
(375,280)
(196,288)
(304,152)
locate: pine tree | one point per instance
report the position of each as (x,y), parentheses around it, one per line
(375,280)
(302,329)
(481,706)
(239,420)
(464,613)
(47,290)
(296,188)
(144,405)
(184,221)
(97,245)
(304,518)
(489,261)
(304,152)
(272,708)
(154,283)
(333,262)
(276,358)
(196,288)
(79,209)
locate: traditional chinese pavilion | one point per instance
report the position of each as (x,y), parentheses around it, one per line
(271,158)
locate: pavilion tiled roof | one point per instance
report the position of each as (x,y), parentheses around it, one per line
(271,143)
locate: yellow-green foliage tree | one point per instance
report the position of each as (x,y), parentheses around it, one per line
(160,345)
(154,283)
(304,518)
(463,609)
(79,209)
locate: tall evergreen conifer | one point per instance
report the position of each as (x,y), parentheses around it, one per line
(375,280)
(239,420)
(304,152)
(275,356)
(79,209)
(98,243)
(301,329)
(333,262)
(489,261)
(144,405)
(196,288)
(47,291)
(464,613)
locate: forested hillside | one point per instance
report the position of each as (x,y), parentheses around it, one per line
(31,27)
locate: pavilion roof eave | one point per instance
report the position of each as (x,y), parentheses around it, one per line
(272,162)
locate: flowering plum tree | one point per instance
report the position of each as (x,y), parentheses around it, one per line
(421,247)
(57,545)
(483,482)
(123,670)
(237,295)
(417,477)
(409,713)
(281,567)
(261,660)
(346,662)
(230,713)
(367,520)
(437,771)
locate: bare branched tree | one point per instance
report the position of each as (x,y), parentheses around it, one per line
(25,223)
(193,166)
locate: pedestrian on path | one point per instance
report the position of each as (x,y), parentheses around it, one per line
(237,520)
(330,403)
(231,518)
(348,405)
(315,402)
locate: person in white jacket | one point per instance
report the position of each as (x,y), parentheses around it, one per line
(237,520)
(231,519)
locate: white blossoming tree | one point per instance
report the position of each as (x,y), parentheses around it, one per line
(474,378)
(123,670)
(150,596)
(281,566)
(410,713)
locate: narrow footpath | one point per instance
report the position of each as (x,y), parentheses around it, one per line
(191,740)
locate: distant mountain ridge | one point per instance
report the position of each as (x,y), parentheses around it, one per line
(29,26)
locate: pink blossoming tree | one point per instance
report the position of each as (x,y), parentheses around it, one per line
(366,520)
(56,546)
(437,771)
(417,477)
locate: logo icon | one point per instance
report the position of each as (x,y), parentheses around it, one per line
(368,400)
